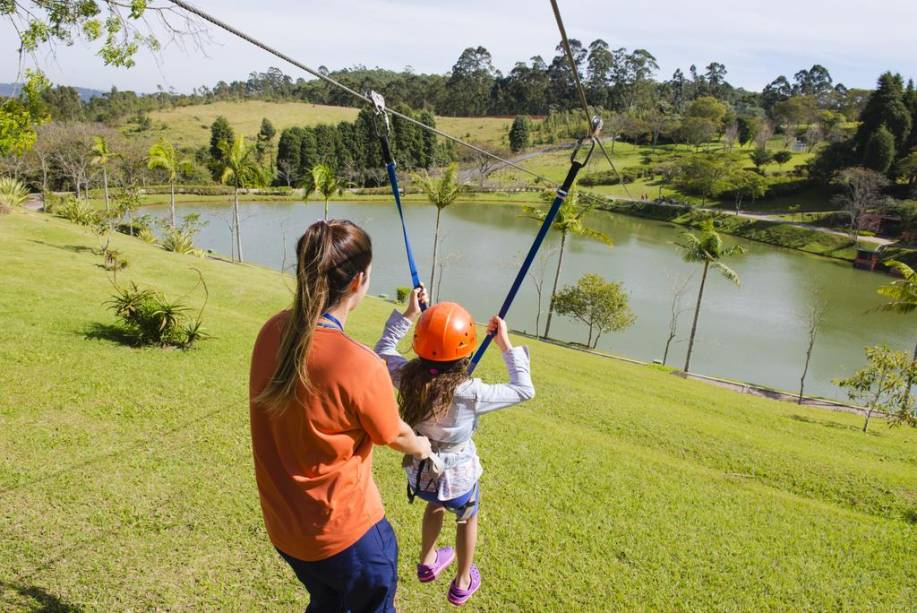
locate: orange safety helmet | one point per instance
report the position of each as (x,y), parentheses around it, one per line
(445,333)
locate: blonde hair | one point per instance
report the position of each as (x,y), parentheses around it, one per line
(329,256)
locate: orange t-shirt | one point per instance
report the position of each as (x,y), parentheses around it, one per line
(313,464)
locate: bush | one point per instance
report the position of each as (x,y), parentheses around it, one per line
(181,239)
(78,211)
(12,194)
(148,318)
(402,293)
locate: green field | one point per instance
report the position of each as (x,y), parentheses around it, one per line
(189,126)
(127,482)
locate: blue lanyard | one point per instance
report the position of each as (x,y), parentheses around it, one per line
(334,320)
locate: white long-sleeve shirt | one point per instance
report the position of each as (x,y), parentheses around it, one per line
(472,399)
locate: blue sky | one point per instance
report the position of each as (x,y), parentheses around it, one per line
(755,40)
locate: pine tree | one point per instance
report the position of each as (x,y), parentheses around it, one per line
(519,133)
(220,132)
(880,150)
(885,106)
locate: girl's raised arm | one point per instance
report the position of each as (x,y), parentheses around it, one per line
(396,327)
(489,398)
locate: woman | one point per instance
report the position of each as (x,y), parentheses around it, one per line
(319,401)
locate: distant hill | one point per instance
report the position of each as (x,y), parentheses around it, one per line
(189,126)
(86,94)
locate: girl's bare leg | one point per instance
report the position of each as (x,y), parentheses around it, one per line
(432,524)
(466,538)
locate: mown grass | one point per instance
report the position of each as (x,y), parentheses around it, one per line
(190,126)
(126,477)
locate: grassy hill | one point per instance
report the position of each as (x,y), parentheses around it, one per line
(126,479)
(190,125)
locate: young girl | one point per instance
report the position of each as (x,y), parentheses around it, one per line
(440,401)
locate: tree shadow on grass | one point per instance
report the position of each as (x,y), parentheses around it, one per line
(831,424)
(33,598)
(109,332)
(71,248)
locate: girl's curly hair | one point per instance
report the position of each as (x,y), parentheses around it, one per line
(427,388)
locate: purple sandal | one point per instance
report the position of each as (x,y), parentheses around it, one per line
(457,595)
(444,557)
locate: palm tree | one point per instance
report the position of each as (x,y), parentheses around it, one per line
(569,220)
(708,249)
(163,155)
(441,194)
(902,297)
(241,170)
(101,155)
(323,180)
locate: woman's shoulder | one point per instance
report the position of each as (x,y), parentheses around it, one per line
(271,331)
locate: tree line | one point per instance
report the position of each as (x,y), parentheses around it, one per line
(616,79)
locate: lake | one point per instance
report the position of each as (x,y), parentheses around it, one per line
(755,332)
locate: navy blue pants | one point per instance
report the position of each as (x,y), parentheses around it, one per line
(361,578)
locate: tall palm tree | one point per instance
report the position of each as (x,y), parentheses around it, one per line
(902,298)
(163,155)
(441,193)
(102,155)
(240,169)
(569,220)
(707,249)
(325,181)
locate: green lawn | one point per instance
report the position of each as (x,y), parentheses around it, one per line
(190,126)
(126,477)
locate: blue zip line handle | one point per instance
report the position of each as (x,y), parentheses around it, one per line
(530,258)
(393,180)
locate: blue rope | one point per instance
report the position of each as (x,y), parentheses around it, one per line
(520,277)
(393,180)
(530,258)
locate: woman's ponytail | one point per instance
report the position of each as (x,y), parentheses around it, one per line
(329,256)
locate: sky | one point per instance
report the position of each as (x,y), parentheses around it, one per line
(757,41)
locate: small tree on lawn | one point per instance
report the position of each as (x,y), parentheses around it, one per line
(569,220)
(102,156)
(902,298)
(679,289)
(761,157)
(440,193)
(241,170)
(862,190)
(600,305)
(323,180)
(782,157)
(537,275)
(881,385)
(163,155)
(745,184)
(813,316)
(519,134)
(707,249)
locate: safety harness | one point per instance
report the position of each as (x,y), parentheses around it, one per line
(380,116)
(562,191)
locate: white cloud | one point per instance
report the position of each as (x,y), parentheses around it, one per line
(756,40)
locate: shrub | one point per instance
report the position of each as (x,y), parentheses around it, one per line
(402,293)
(181,239)
(12,194)
(146,235)
(78,211)
(148,318)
